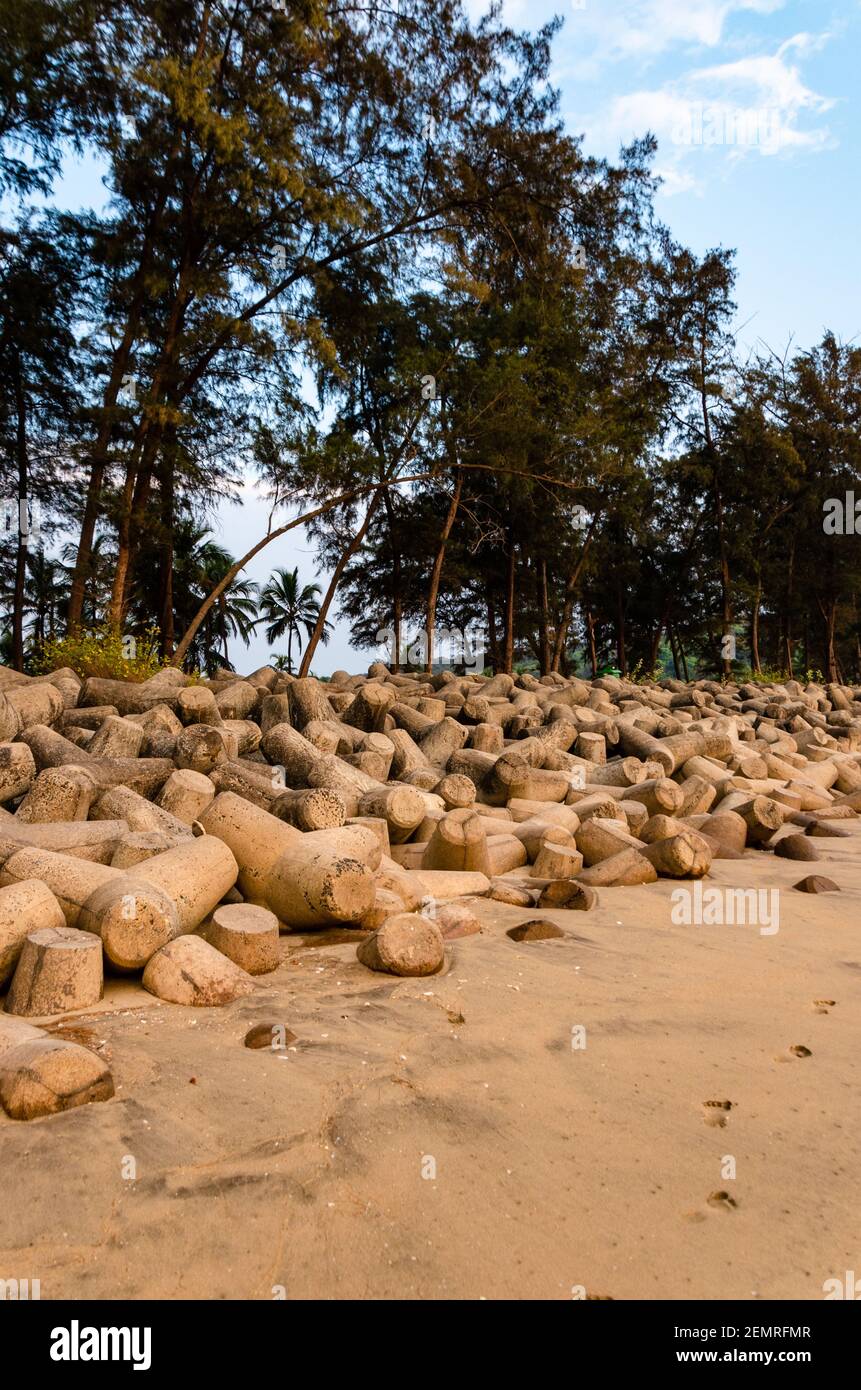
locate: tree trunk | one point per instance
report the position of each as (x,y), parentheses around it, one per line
(436,572)
(397,583)
(725,582)
(543,619)
(222,608)
(568,605)
(655,645)
(590,636)
(346,555)
(674,653)
(118,587)
(397,618)
(508,654)
(829,619)
(492,642)
(790,584)
(621,647)
(100,454)
(754,628)
(22,510)
(166,620)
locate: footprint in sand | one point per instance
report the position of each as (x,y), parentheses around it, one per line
(797,1050)
(716,1111)
(720,1201)
(823,1006)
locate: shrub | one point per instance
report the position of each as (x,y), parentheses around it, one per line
(639,676)
(104,652)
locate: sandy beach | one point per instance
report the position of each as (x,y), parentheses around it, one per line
(560,1171)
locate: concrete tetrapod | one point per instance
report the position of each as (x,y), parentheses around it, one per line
(134,919)
(137,913)
(247,935)
(308,880)
(60,969)
(17,770)
(195,875)
(325,876)
(24,907)
(42,1076)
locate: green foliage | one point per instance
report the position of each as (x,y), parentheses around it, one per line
(371,199)
(776,675)
(641,677)
(768,675)
(103,652)
(288,607)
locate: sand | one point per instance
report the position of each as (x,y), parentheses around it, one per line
(442,1138)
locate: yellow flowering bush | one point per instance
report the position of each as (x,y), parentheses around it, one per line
(103,651)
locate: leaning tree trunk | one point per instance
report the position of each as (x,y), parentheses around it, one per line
(149,444)
(346,555)
(568,606)
(227,578)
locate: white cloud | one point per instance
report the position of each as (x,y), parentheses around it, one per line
(624,28)
(754,104)
(658,25)
(610,31)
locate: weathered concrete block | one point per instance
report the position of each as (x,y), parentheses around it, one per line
(189,971)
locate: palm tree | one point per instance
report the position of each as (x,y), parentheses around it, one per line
(199,564)
(98,585)
(287,609)
(235,612)
(44,597)
(45,592)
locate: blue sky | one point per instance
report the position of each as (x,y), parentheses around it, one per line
(755,105)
